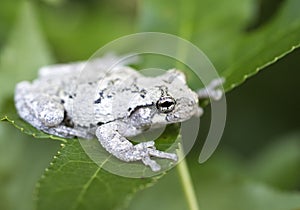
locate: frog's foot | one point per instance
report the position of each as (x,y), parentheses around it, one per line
(145,150)
(211,90)
(117,145)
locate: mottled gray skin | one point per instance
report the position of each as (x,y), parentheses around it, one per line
(109,104)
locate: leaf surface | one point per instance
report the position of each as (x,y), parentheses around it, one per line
(218,28)
(82,184)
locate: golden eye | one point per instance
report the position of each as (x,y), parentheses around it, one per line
(166,104)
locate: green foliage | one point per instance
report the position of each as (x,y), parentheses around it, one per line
(82,184)
(17,60)
(219,29)
(73,181)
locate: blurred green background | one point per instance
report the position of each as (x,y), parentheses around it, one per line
(258,160)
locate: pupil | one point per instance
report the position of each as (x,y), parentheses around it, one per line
(167,104)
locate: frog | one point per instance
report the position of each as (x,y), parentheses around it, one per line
(111,104)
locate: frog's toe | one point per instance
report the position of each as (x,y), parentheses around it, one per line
(151,163)
(212,90)
(161,154)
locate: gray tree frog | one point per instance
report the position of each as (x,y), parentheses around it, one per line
(110,105)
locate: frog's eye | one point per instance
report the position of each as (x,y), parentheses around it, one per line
(166,104)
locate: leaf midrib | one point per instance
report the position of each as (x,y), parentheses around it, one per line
(86,186)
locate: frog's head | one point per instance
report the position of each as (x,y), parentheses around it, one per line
(176,102)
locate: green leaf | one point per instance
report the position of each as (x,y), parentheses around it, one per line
(74,181)
(219,29)
(22,162)
(214,26)
(264,46)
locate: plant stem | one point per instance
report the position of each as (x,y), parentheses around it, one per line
(186,182)
(185,31)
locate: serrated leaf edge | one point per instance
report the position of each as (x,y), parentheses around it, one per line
(259,68)
(23,130)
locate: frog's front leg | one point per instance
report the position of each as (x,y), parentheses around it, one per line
(211,90)
(39,109)
(111,138)
(44,112)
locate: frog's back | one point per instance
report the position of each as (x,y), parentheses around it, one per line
(104,99)
(80,85)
